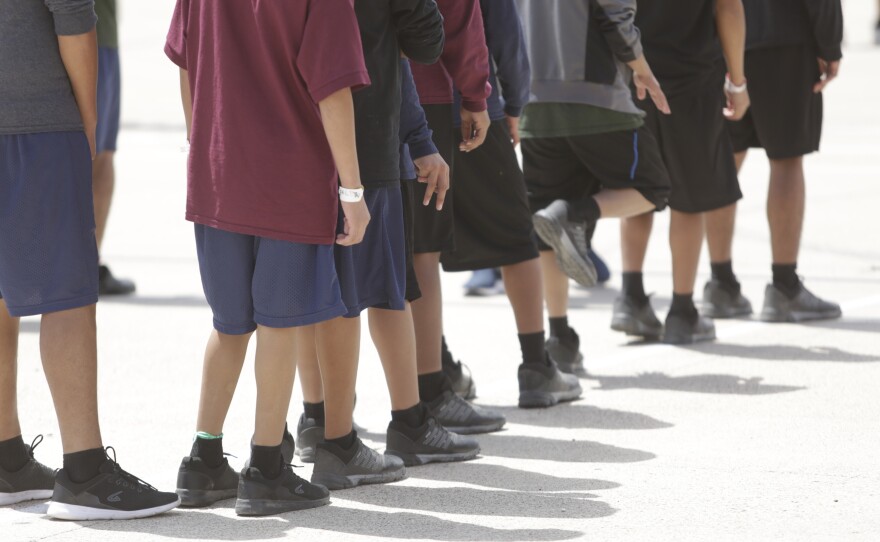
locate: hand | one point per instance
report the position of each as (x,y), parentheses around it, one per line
(513,126)
(433,171)
(474,127)
(827,73)
(646,84)
(737,104)
(357,216)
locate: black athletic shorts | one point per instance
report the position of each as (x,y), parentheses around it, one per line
(492,219)
(432,229)
(412,292)
(695,146)
(786,116)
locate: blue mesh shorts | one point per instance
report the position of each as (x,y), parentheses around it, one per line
(109,100)
(252,280)
(48,253)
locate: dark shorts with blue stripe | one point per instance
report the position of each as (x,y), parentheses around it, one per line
(574,168)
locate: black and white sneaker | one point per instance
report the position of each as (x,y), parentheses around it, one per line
(721,302)
(112,494)
(32,482)
(565,352)
(803,307)
(308,435)
(259,496)
(366,467)
(199,485)
(542,386)
(434,444)
(459,416)
(635,318)
(569,240)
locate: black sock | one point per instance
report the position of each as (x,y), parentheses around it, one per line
(14,454)
(267,459)
(432,385)
(445,354)
(343,447)
(723,273)
(314,411)
(532,345)
(683,305)
(634,286)
(209,450)
(85,465)
(786,280)
(413,416)
(559,326)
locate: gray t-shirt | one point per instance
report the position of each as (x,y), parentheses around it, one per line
(35,92)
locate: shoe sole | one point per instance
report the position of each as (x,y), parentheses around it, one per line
(306,454)
(21,496)
(545,399)
(689,339)
(569,259)
(269,507)
(335,481)
(796,317)
(634,328)
(73,512)
(717,313)
(199,498)
(475,429)
(413,460)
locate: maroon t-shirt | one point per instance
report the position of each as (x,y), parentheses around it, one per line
(259,161)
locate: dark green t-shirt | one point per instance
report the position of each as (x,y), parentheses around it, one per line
(546,119)
(108,35)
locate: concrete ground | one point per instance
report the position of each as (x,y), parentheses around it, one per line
(768,434)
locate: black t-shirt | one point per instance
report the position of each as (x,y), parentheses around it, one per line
(681,42)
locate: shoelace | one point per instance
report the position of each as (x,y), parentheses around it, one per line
(125,475)
(34,443)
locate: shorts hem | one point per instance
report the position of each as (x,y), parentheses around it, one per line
(304,320)
(55,306)
(706,207)
(378,302)
(510,258)
(234,330)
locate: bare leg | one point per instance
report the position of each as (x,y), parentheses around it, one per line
(686,241)
(635,232)
(739,158)
(70,361)
(103,182)
(428,312)
(720,225)
(555,285)
(307,365)
(785,208)
(338,343)
(275,371)
(394,336)
(622,203)
(9,423)
(224,358)
(521,284)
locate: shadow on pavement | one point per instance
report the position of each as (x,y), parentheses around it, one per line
(708,383)
(581,417)
(501,477)
(780,352)
(571,451)
(158,301)
(867,325)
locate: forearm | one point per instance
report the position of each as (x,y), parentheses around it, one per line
(186,99)
(337,114)
(79,53)
(730,19)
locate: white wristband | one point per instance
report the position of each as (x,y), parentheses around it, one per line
(734,89)
(351,195)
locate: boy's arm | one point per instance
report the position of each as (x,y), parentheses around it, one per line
(337,114)
(186,99)
(507,46)
(730,20)
(419,29)
(80,56)
(827,19)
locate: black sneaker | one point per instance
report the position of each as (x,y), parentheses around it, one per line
(459,416)
(110,285)
(288,446)
(112,494)
(308,435)
(569,240)
(366,467)
(258,496)
(434,444)
(542,386)
(720,302)
(32,482)
(199,485)
(683,330)
(565,351)
(634,318)
(462,381)
(803,307)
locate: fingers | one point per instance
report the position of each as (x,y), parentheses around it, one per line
(467,130)
(827,73)
(659,98)
(431,180)
(477,138)
(442,187)
(641,92)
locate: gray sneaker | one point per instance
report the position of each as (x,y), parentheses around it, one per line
(633,319)
(567,355)
(308,435)
(434,444)
(542,386)
(366,467)
(719,302)
(459,416)
(569,240)
(260,496)
(803,307)
(34,481)
(680,330)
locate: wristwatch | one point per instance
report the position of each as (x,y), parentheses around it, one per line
(734,89)
(351,195)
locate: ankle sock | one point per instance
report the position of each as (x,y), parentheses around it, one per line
(683,305)
(85,465)
(413,416)
(786,280)
(445,355)
(267,459)
(432,385)
(14,454)
(723,273)
(208,448)
(634,287)
(343,447)
(532,345)
(314,411)
(558,326)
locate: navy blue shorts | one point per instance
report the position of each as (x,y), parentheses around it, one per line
(252,280)
(48,253)
(109,90)
(373,272)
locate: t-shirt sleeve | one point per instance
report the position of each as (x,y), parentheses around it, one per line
(331,57)
(72,17)
(175,43)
